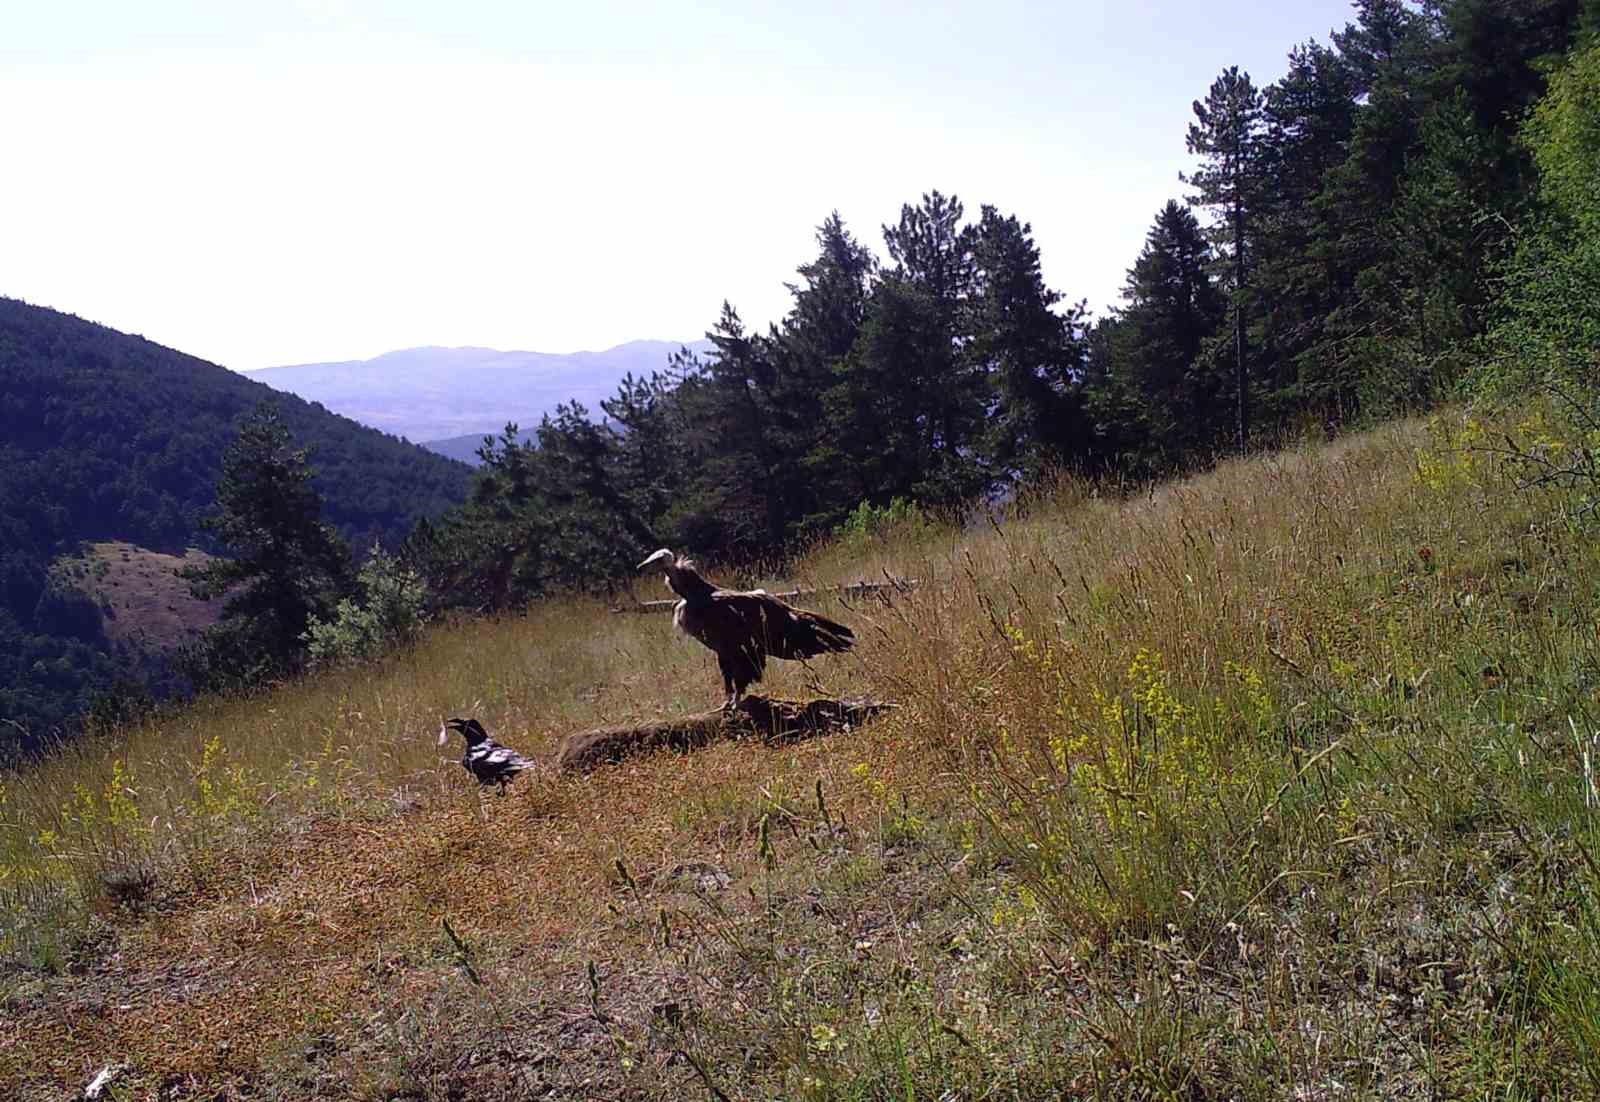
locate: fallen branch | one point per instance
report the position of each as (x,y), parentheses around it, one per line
(855,589)
(755,717)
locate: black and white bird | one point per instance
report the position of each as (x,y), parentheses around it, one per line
(485,758)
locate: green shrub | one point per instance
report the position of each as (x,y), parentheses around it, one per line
(872,522)
(389,614)
(1550,329)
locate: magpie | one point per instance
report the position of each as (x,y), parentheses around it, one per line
(485,758)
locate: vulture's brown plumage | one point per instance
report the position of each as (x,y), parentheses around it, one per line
(745,628)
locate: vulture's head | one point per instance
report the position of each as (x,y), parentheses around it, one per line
(470,729)
(682,577)
(664,556)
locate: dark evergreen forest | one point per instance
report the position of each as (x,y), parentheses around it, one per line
(104,435)
(1351,243)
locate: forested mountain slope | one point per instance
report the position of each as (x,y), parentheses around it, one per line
(109,436)
(104,434)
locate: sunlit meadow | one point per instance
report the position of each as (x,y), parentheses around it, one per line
(1278,781)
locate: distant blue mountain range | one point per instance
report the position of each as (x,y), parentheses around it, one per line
(448,399)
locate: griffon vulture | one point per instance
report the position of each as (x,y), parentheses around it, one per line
(745,628)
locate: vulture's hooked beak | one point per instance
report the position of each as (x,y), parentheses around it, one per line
(664,553)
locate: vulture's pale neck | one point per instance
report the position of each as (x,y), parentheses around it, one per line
(687,583)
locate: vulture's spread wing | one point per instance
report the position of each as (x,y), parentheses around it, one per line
(784,631)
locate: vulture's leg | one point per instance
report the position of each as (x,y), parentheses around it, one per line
(742,680)
(728,686)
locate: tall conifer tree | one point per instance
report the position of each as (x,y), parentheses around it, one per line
(1173,309)
(1226,135)
(1033,356)
(283,565)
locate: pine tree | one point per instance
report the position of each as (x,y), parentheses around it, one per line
(1367,348)
(811,350)
(904,408)
(1500,57)
(488,554)
(935,253)
(882,424)
(650,455)
(739,502)
(1442,233)
(1033,356)
(1389,43)
(284,565)
(932,250)
(1173,310)
(595,528)
(1227,136)
(1309,117)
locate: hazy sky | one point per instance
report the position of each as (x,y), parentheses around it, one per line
(260,182)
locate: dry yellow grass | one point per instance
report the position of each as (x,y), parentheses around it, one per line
(323,828)
(1161,766)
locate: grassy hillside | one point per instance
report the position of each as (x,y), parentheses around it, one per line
(1277,782)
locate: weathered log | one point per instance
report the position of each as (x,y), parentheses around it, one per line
(755,717)
(855,589)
